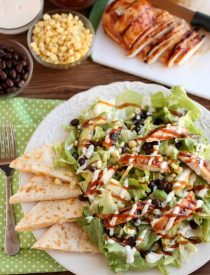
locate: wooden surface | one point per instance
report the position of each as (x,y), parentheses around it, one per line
(55,84)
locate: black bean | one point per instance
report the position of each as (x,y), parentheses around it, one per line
(114,136)
(15,56)
(17,79)
(19,68)
(132,241)
(2,65)
(158,121)
(74,122)
(81,161)
(8,56)
(75,155)
(143,253)
(157,203)
(4,85)
(178,145)
(139,212)
(82,198)
(193,224)
(152,184)
(168,188)
(24,57)
(9,64)
(2,53)
(161,184)
(139,122)
(96,143)
(124,148)
(91,168)
(138,128)
(9,83)
(12,73)
(9,50)
(144,114)
(23,63)
(3,76)
(20,83)
(148,147)
(6,71)
(14,63)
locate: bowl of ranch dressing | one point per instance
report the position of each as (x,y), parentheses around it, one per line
(17,16)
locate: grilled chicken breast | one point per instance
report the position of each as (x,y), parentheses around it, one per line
(127,214)
(185,45)
(149,33)
(166,133)
(155,32)
(199,165)
(119,15)
(138,26)
(192,47)
(152,163)
(165,43)
(177,214)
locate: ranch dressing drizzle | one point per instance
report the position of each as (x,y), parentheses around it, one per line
(18,13)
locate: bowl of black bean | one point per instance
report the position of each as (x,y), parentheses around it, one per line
(16,68)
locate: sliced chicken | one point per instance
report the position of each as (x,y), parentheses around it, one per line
(193,47)
(166,133)
(149,33)
(165,43)
(182,45)
(155,32)
(119,15)
(137,9)
(176,215)
(182,180)
(162,20)
(138,27)
(199,165)
(152,163)
(129,213)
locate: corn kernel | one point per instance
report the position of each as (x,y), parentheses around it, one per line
(132,143)
(61,38)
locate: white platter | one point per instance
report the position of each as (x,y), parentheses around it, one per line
(50,131)
(193,75)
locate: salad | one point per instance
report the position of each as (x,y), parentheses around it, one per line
(143,167)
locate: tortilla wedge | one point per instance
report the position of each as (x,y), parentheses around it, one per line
(47,213)
(40,161)
(68,237)
(42,188)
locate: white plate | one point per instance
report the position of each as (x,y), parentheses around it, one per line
(193,75)
(50,130)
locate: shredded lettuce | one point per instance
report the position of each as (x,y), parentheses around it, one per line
(205,226)
(104,202)
(137,190)
(131,184)
(168,149)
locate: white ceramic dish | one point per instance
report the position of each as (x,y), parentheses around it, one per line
(17,16)
(193,75)
(50,130)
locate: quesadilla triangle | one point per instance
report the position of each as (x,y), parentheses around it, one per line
(68,237)
(47,213)
(40,161)
(43,188)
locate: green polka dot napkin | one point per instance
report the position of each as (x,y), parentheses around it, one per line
(25,114)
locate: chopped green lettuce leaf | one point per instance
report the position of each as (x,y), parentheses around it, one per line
(137,190)
(94,229)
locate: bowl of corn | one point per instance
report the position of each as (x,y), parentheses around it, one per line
(61,39)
